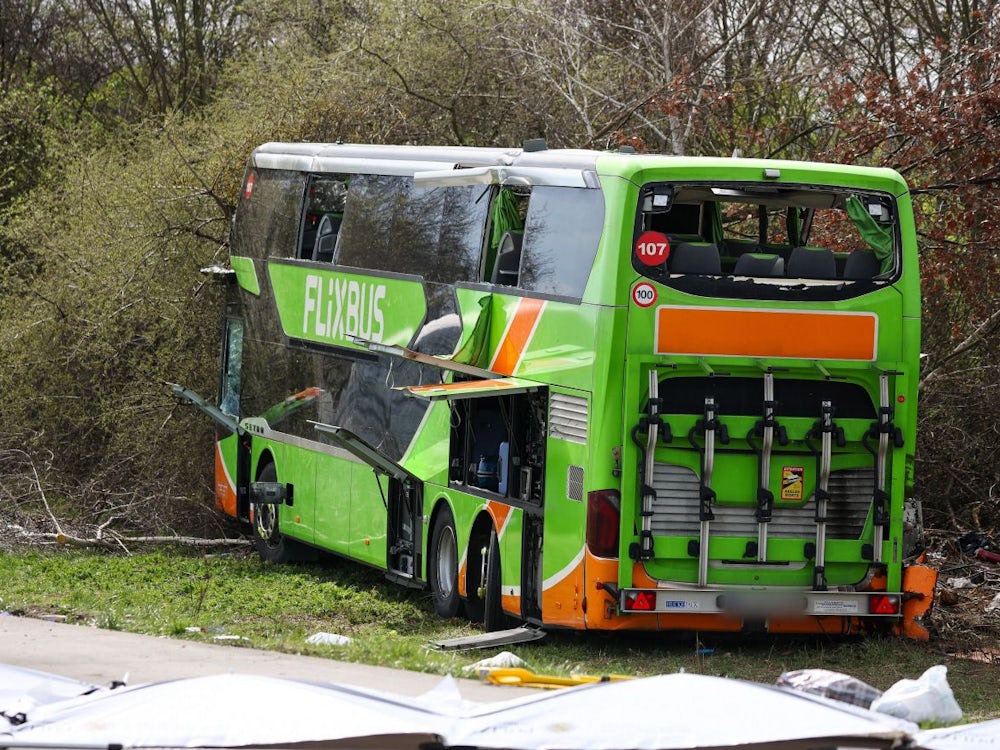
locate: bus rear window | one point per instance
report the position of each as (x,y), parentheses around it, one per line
(765,241)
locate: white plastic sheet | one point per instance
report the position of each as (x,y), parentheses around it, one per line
(669,712)
(230,710)
(982,736)
(17,683)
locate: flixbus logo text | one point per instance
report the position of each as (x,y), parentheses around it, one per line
(342,308)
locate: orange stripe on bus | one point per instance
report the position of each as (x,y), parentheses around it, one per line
(463,385)
(516,337)
(766,333)
(499,513)
(225,493)
(562,600)
(511,604)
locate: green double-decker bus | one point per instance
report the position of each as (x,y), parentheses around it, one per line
(577,389)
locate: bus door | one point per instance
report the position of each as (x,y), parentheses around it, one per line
(402,496)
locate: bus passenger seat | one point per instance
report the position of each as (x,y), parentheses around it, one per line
(696,257)
(759,264)
(326,238)
(861,264)
(811,263)
(508,262)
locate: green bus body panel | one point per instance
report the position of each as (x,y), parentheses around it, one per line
(427,454)
(565,517)
(642,168)
(246,274)
(334,502)
(368,522)
(329,307)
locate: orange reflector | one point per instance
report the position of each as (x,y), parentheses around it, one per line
(642,601)
(883,604)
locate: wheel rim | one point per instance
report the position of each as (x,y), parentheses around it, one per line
(266,520)
(447,561)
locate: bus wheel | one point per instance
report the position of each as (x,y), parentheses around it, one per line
(442,568)
(270,543)
(494,617)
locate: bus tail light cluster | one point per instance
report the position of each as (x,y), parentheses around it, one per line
(884,604)
(638,601)
(603,522)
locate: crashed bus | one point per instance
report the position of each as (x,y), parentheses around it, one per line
(578,389)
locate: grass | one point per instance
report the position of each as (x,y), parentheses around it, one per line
(202,597)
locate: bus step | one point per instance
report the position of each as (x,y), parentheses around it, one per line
(522,634)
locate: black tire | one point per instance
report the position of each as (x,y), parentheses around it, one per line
(442,565)
(475,592)
(494,618)
(271,544)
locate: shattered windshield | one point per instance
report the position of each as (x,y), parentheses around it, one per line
(766,241)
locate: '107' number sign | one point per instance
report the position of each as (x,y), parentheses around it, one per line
(652,248)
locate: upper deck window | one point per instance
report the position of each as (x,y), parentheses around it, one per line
(390,224)
(765,241)
(562,229)
(267,217)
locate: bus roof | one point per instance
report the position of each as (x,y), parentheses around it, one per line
(639,168)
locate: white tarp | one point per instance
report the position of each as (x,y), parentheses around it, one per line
(677,711)
(18,683)
(982,736)
(668,712)
(229,710)
(23,690)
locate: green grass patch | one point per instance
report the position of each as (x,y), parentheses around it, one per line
(180,594)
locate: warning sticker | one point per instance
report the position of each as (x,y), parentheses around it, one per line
(791,483)
(835,607)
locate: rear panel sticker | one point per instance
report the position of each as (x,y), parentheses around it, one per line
(792,482)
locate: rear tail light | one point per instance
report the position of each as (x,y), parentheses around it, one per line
(639,601)
(884,604)
(603,521)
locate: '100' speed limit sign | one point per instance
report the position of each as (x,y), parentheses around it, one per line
(644,294)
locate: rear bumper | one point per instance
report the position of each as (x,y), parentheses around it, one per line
(760,603)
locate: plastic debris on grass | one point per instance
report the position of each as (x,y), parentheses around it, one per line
(503,660)
(829,684)
(328,639)
(926,699)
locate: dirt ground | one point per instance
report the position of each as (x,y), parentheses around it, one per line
(965,621)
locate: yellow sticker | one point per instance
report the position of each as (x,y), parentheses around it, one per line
(791,482)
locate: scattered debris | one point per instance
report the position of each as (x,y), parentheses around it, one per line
(926,699)
(960,583)
(993,606)
(527,678)
(504,660)
(975,544)
(328,639)
(829,684)
(960,622)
